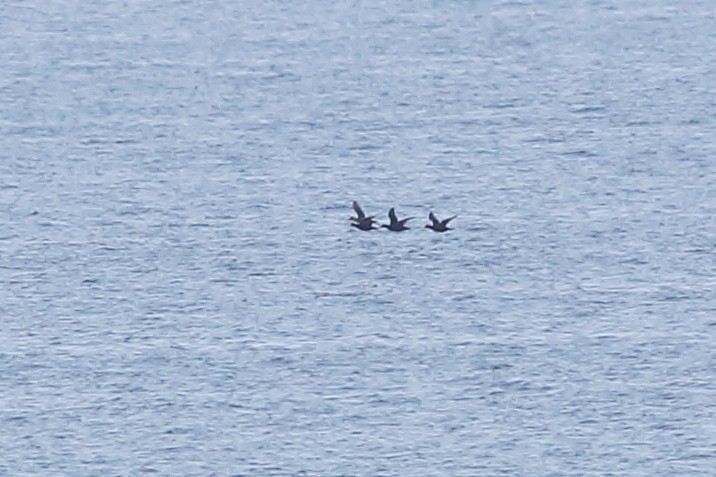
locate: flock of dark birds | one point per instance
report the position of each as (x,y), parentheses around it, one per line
(365,222)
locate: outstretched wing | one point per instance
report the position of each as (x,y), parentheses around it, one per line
(433,219)
(403,221)
(446,221)
(391,214)
(359,211)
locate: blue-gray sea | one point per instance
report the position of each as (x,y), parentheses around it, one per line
(182,294)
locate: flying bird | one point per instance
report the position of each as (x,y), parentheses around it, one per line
(439,225)
(395,224)
(361,221)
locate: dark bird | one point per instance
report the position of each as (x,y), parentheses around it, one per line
(395,224)
(439,225)
(361,221)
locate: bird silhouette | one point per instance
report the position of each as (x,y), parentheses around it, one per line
(362,221)
(439,225)
(395,224)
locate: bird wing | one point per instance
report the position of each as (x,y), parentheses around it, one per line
(391,214)
(446,221)
(359,211)
(402,222)
(433,219)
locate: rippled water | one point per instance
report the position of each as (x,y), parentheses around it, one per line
(181,292)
